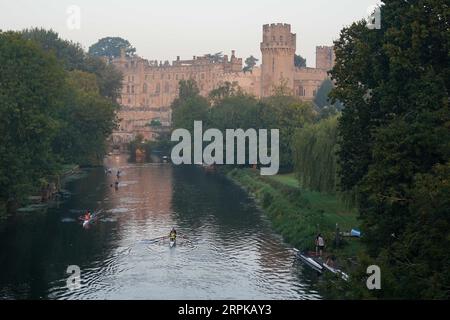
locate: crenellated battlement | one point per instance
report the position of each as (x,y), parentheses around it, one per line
(150,86)
(325,57)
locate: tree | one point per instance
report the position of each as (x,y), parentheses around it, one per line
(109,78)
(73,57)
(299,61)
(215,57)
(31,90)
(288,114)
(69,53)
(87,119)
(189,106)
(111,47)
(250,63)
(225,90)
(187,89)
(395,141)
(315,157)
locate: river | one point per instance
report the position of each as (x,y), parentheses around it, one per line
(226,247)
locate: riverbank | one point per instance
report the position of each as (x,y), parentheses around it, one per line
(50,187)
(299,215)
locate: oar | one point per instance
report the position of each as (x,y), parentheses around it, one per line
(149,241)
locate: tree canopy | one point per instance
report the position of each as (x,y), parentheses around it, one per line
(250,63)
(395,142)
(299,61)
(111,47)
(53,110)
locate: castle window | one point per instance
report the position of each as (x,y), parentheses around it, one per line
(132,89)
(168,76)
(176,77)
(167,88)
(128,89)
(145,88)
(281,38)
(314,93)
(129,101)
(158,88)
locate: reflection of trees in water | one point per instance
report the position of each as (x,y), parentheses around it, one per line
(198,197)
(37,248)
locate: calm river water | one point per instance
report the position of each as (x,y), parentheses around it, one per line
(226,248)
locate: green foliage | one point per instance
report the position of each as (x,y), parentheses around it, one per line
(31,92)
(299,61)
(296,214)
(396,141)
(53,111)
(324,101)
(315,155)
(232,109)
(250,63)
(109,79)
(226,90)
(111,47)
(189,107)
(70,54)
(215,57)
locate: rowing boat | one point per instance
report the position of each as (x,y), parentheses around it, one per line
(337,272)
(318,265)
(94,217)
(311,262)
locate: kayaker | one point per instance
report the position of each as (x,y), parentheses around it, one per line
(173,235)
(320,245)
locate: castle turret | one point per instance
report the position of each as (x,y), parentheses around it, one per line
(325,58)
(278,51)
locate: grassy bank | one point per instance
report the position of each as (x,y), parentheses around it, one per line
(299,215)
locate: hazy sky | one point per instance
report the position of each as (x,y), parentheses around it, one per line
(165,29)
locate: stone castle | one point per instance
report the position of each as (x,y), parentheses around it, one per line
(150,87)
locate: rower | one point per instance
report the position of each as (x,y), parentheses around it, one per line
(173,235)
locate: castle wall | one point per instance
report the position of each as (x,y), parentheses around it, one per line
(149,87)
(307,82)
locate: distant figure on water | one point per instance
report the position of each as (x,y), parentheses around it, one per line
(117,185)
(173,235)
(118,174)
(320,245)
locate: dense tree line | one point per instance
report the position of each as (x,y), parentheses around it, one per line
(57,107)
(228,107)
(395,144)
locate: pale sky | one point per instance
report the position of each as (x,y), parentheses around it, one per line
(162,30)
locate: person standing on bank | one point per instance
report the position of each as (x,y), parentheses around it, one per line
(320,245)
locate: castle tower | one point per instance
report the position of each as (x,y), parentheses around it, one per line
(325,58)
(278,50)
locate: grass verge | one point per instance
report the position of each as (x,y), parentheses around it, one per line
(299,215)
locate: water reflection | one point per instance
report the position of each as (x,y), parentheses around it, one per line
(230,252)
